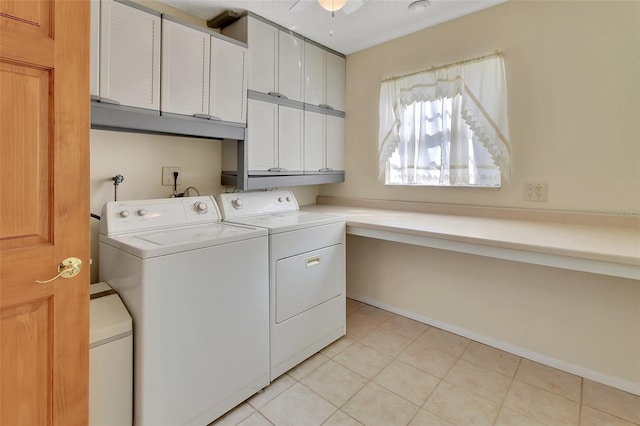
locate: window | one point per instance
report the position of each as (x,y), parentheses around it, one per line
(446,126)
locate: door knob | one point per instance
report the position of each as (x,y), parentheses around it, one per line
(70,267)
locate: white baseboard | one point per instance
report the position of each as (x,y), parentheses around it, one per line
(578,370)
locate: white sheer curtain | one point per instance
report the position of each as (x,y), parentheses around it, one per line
(446,126)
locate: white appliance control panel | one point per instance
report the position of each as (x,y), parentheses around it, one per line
(120,217)
(242,204)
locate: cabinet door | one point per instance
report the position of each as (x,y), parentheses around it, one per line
(262,125)
(335,143)
(129,55)
(263,47)
(290,136)
(314,141)
(314,74)
(185,69)
(228,84)
(94,63)
(290,66)
(335,81)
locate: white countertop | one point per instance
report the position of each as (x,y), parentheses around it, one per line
(598,249)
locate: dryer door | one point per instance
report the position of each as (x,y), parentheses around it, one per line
(307,280)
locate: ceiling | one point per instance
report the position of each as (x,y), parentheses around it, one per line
(359,25)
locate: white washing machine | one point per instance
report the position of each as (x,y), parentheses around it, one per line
(198,292)
(306,272)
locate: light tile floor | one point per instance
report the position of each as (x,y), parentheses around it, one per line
(390,370)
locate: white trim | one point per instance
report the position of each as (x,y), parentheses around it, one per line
(605,379)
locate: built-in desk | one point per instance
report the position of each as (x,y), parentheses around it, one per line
(600,249)
(559,288)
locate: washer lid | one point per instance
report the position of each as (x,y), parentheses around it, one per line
(285,222)
(176,240)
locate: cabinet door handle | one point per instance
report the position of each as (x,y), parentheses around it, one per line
(275,169)
(108,101)
(326,169)
(325,106)
(278,95)
(203,116)
(215,117)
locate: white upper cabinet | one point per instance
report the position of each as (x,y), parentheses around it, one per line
(202,75)
(290,66)
(275,133)
(263,56)
(276,57)
(314,141)
(323,142)
(129,71)
(335,143)
(314,74)
(335,78)
(262,128)
(185,69)
(290,138)
(228,81)
(324,75)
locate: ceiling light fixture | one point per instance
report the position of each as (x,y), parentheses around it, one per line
(332,5)
(419,6)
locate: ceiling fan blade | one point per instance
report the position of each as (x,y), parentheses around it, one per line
(352,6)
(294,5)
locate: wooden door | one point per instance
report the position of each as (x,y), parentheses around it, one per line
(44,211)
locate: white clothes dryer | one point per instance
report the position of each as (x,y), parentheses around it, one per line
(198,293)
(306,272)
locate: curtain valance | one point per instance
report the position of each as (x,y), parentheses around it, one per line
(481,84)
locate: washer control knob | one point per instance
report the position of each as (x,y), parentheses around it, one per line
(124,213)
(201,207)
(288,199)
(280,199)
(237,203)
(142,212)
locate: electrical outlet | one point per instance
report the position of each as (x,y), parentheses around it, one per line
(535,192)
(167,175)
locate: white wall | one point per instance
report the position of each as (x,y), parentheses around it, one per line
(574,102)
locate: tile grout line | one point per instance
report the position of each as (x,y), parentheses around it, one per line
(513,379)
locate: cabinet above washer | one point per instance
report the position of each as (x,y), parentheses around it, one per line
(203,73)
(276,57)
(324,76)
(125,54)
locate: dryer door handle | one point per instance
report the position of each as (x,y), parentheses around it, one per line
(312,261)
